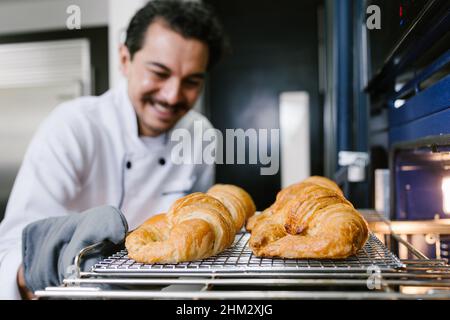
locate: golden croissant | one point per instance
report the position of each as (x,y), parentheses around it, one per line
(311,219)
(195,227)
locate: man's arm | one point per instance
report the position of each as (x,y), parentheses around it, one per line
(10,259)
(47,180)
(25,293)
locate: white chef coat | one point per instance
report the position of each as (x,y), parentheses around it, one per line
(88,153)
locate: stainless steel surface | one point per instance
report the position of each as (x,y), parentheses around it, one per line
(399,229)
(240,259)
(441,226)
(247,295)
(413,250)
(80,255)
(437,282)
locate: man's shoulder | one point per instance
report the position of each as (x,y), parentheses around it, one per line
(81,112)
(81,106)
(74,117)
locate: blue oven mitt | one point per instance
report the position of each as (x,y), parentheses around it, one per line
(50,245)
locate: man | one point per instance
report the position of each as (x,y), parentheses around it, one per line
(113,149)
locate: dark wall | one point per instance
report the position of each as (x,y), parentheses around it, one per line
(275,49)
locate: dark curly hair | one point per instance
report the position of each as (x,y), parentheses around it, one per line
(190,19)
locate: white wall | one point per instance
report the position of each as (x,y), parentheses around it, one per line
(120,13)
(17,16)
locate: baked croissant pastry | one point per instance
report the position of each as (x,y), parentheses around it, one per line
(311,219)
(195,227)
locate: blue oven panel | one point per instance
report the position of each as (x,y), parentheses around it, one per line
(419,175)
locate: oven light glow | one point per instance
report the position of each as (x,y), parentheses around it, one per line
(446,194)
(399,103)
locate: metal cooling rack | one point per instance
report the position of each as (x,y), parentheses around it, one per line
(239,258)
(237,274)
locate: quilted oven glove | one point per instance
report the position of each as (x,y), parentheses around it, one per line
(50,245)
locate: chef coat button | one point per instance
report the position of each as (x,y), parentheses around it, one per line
(128,164)
(162,161)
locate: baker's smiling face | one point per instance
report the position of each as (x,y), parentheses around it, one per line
(165,77)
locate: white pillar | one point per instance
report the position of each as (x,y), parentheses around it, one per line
(295,142)
(120,14)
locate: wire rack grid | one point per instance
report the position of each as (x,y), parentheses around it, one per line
(240,258)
